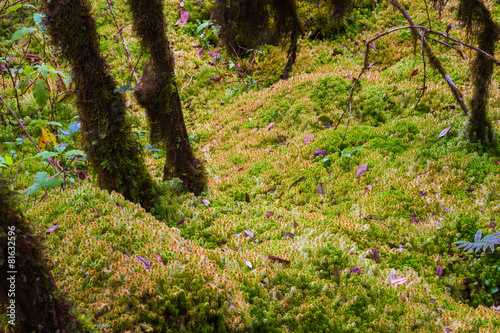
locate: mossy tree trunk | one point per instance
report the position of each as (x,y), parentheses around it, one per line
(482,27)
(38,305)
(159,95)
(107,138)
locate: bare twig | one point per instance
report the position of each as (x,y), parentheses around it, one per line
(424,88)
(110,5)
(465,44)
(435,62)
(190,79)
(371,217)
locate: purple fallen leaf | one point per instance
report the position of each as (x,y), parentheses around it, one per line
(200,50)
(404,299)
(439,271)
(433,300)
(144,262)
(355,270)
(373,46)
(231,306)
(249,233)
(247,197)
(447,210)
(278,259)
(319,152)
(268,215)
(370,187)
(376,257)
(104,231)
(298,181)
(288,235)
(205,202)
(181,222)
(361,169)
(412,217)
(120,205)
(444,132)
(248,263)
(422,194)
(308,138)
(52,229)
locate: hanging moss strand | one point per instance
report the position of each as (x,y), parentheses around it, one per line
(107,137)
(159,95)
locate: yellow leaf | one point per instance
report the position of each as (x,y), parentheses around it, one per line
(43,139)
(52,138)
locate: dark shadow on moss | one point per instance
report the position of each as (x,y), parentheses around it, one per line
(39,306)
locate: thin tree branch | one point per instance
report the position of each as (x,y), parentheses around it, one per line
(435,62)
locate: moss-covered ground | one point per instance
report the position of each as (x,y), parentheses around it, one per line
(284,241)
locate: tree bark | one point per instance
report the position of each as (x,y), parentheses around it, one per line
(158,94)
(107,138)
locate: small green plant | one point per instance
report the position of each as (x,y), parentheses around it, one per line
(487,241)
(346,157)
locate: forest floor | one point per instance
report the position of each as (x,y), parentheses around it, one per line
(306,226)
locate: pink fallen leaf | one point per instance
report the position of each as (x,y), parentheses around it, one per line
(307,139)
(412,217)
(444,132)
(270,126)
(205,148)
(373,46)
(288,235)
(399,281)
(249,233)
(205,202)
(181,222)
(361,169)
(184,17)
(248,263)
(268,215)
(52,229)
